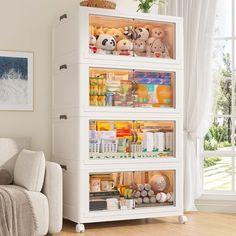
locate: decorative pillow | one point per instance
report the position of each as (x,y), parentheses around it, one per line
(30,170)
(5,177)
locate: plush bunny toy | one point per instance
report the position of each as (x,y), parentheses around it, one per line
(159,49)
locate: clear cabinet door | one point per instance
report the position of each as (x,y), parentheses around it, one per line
(131,37)
(131,88)
(111,139)
(130,190)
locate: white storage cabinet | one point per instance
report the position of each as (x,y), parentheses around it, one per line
(117,123)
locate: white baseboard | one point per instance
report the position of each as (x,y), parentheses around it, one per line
(216,204)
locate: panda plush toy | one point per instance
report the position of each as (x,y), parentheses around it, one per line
(105,44)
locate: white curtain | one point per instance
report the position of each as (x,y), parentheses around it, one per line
(199,18)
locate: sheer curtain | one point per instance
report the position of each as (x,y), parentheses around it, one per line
(199,18)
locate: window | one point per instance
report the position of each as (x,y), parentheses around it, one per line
(219,152)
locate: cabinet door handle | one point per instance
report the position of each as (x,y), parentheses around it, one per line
(63,117)
(64,167)
(64,16)
(63,67)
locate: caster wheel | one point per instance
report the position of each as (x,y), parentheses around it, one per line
(183,219)
(80,228)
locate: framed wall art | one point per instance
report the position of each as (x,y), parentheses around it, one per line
(16,81)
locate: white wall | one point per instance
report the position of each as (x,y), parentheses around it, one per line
(131,6)
(26,26)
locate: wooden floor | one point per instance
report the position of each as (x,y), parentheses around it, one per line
(199,224)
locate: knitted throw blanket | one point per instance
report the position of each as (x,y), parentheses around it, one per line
(16,213)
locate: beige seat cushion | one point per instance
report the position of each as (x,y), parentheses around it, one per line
(29,170)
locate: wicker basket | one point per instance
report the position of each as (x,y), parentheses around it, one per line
(99,4)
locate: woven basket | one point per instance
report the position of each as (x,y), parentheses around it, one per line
(99,4)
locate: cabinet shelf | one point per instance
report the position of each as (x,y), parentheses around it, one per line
(143,162)
(129,156)
(153,206)
(148,212)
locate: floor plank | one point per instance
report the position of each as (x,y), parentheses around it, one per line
(199,224)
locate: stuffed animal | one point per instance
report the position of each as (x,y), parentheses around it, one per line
(92,44)
(158,33)
(91,29)
(149,43)
(149,28)
(124,47)
(139,47)
(105,44)
(129,32)
(117,34)
(159,49)
(136,33)
(142,33)
(98,31)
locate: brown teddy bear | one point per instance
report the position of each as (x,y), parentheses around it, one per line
(139,47)
(158,33)
(117,34)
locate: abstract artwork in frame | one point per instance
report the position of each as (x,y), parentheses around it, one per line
(16,81)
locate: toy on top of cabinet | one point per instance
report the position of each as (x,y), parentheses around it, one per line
(106,44)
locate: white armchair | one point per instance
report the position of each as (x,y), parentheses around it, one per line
(42,181)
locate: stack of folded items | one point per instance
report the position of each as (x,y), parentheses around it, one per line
(112,204)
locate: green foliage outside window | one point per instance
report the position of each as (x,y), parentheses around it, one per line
(211,161)
(219,135)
